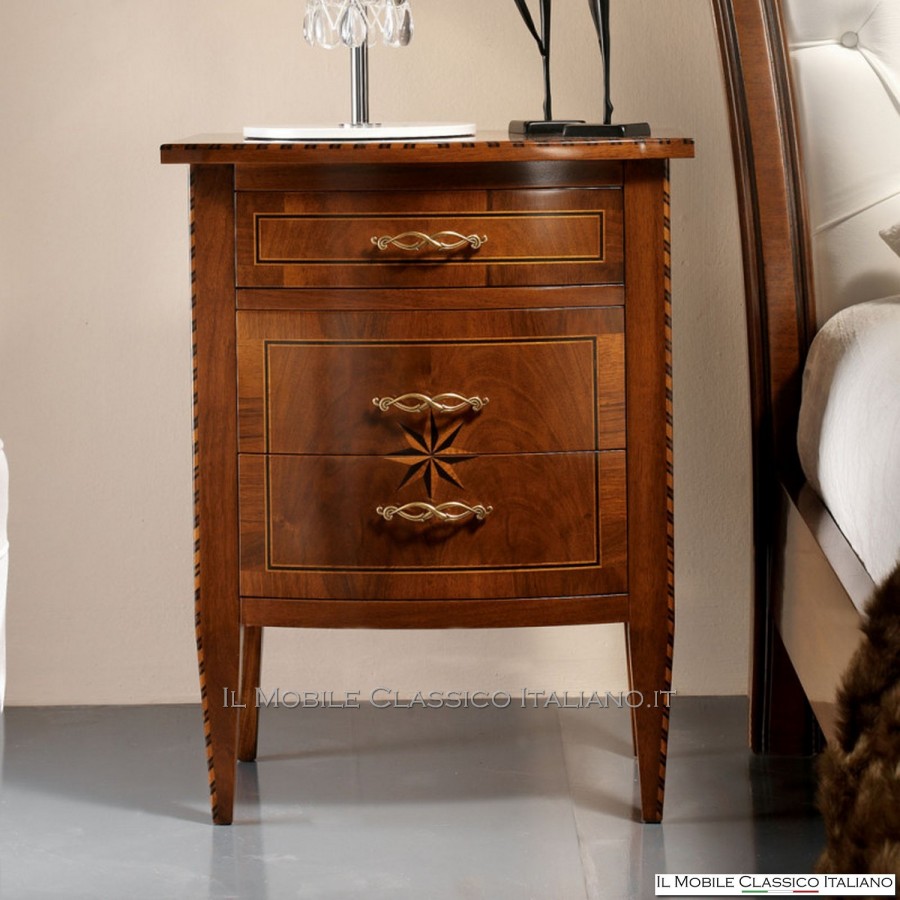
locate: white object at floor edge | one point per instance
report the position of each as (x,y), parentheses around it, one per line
(4,567)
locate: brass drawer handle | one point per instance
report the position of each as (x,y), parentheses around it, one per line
(440,403)
(443,512)
(416,240)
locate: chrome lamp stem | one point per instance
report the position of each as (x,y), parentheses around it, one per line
(359,85)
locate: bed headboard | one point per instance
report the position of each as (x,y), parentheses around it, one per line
(845,66)
(815,119)
(814,98)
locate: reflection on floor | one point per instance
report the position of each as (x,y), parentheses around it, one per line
(109,802)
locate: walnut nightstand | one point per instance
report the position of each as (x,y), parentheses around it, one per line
(432,390)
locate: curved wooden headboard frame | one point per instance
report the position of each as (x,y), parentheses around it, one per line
(778,283)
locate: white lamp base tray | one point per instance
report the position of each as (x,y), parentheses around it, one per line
(370,132)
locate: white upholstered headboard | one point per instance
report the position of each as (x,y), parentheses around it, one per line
(845,62)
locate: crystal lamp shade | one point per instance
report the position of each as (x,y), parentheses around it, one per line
(355,23)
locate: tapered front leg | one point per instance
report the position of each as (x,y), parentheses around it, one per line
(220,721)
(650,656)
(648,403)
(215,474)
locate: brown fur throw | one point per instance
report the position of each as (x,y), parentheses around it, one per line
(859,773)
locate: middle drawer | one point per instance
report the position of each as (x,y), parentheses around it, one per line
(358,383)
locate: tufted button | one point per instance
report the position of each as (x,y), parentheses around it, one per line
(850,39)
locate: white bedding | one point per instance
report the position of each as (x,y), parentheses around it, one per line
(4,563)
(849,430)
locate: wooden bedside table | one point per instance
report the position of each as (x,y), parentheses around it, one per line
(432,389)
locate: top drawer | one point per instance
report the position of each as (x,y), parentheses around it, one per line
(411,239)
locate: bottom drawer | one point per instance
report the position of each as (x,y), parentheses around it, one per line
(500,525)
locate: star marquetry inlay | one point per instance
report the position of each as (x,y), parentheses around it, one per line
(431,455)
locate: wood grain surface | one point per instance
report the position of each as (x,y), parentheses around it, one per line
(558,326)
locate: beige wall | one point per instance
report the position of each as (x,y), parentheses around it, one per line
(94,327)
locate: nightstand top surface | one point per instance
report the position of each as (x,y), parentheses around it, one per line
(484,147)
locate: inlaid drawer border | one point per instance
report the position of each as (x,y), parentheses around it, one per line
(591,340)
(464,258)
(607,499)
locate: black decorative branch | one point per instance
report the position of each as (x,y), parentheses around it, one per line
(600,15)
(574,128)
(543,42)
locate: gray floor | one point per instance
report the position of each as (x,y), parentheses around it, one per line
(518,803)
